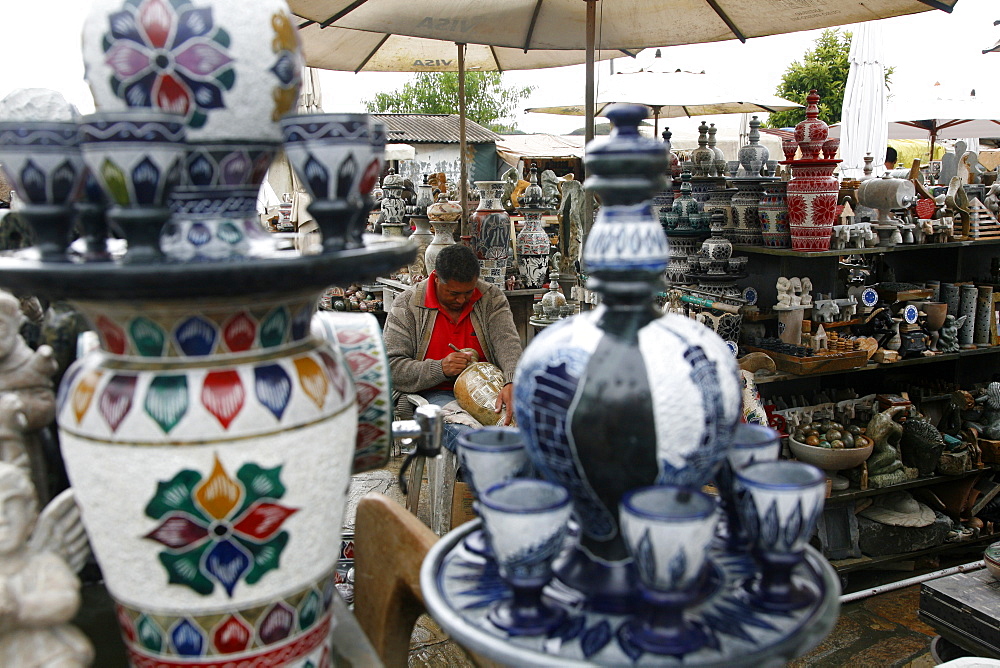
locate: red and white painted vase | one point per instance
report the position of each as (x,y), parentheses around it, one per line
(812,133)
(812,204)
(812,190)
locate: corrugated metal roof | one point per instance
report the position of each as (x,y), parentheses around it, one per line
(433,129)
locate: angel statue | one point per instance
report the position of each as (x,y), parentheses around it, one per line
(39,593)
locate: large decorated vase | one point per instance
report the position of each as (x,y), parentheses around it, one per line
(621,397)
(201,444)
(211,437)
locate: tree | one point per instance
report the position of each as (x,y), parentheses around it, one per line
(825,68)
(488,101)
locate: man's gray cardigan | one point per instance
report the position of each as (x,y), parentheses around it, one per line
(408,328)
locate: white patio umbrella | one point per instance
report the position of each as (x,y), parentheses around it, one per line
(936,118)
(673,95)
(863,115)
(623,24)
(328,46)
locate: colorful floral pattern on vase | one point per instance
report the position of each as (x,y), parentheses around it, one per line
(359,338)
(812,204)
(209,62)
(210,416)
(215,207)
(773,211)
(490,228)
(136,158)
(220,530)
(216,329)
(812,133)
(676,380)
(291,631)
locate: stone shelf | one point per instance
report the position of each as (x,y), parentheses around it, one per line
(854,494)
(856,564)
(788,252)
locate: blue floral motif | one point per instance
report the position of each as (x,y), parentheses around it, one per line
(596,638)
(187,639)
(624,637)
(196,336)
(273,386)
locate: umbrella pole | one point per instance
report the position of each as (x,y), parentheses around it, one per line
(930,156)
(588,202)
(463,186)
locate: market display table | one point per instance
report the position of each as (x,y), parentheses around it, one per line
(965,608)
(521,302)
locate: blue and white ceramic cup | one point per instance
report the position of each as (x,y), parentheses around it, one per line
(42,160)
(667,530)
(137,158)
(489,456)
(783,500)
(527,522)
(333,156)
(752,443)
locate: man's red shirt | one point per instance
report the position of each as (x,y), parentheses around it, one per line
(460,333)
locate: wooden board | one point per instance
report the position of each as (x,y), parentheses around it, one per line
(903,295)
(816,363)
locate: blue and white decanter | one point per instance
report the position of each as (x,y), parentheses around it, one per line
(621,397)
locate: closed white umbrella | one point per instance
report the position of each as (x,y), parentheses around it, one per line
(863,121)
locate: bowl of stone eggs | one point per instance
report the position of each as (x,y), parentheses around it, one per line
(832,446)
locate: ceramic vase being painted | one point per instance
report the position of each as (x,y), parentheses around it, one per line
(676,380)
(490,228)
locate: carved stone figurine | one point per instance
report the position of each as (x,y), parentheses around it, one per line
(885,465)
(24,371)
(989,420)
(948,340)
(39,593)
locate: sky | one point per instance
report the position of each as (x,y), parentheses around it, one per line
(40,47)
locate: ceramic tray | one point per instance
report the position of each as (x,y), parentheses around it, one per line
(459,586)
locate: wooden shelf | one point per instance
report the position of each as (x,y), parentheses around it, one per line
(860,563)
(788,252)
(846,495)
(944,357)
